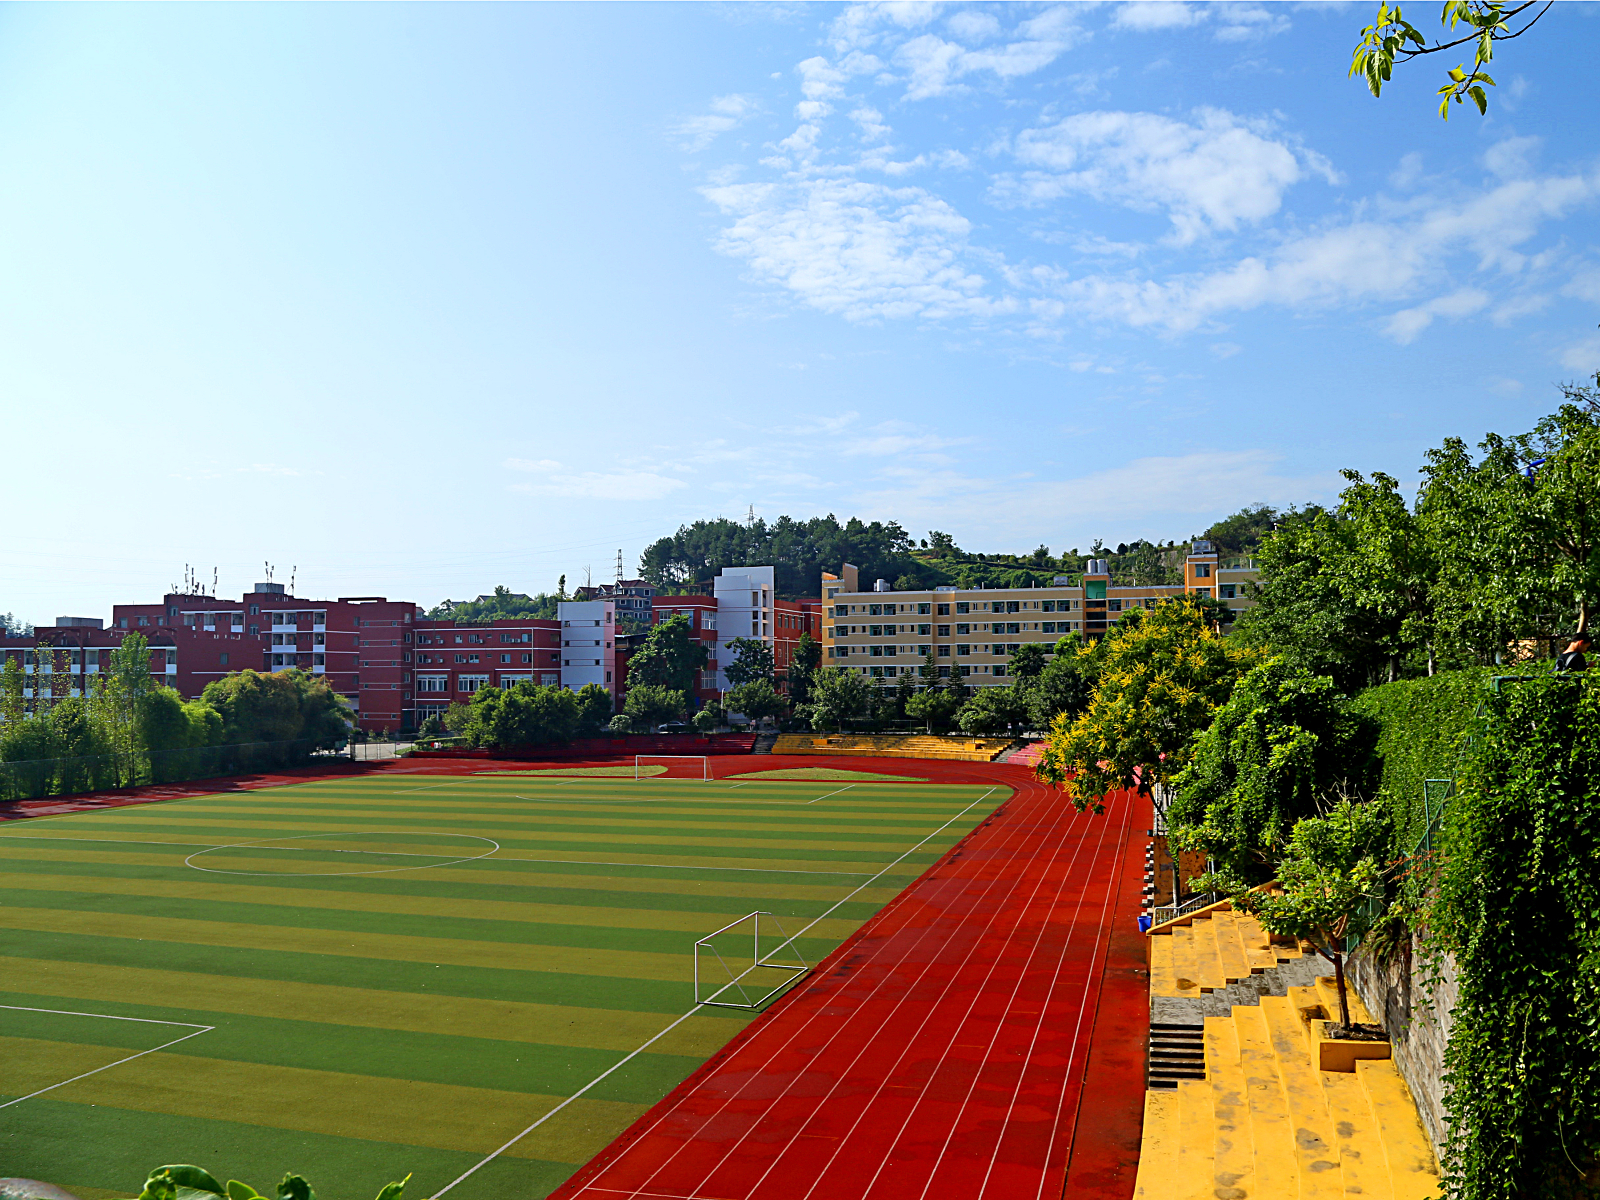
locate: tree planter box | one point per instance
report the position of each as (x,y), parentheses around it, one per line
(1339,1055)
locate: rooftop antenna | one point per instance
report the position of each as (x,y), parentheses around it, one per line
(292,571)
(619,570)
(213,583)
(588,577)
(750,517)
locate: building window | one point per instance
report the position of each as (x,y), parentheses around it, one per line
(471,683)
(944,672)
(461,658)
(962,650)
(1114,605)
(255,630)
(1226,591)
(255,610)
(527,658)
(505,658)
(944,652)
(962,608)
(1202,570)
(944,631)
(1049,606)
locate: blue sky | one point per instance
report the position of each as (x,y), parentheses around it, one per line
(419,299)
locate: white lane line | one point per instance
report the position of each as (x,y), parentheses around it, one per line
(198,1030)
(584,862)
(620,1062)
(835,792)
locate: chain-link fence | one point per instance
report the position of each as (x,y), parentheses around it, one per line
(32,779)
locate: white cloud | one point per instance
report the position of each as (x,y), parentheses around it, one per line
(1359,261)
(973,26)
(936,66)
(1212,174)
(533,464)
(1143,16)
(862,250)
(727,112)
(1405,325)
(1234,22)
(1582,356)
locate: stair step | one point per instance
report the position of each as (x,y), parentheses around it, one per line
(1158,1164)
(1271,1134)
(1406,1149)
(1233,1155)
(1195,1150)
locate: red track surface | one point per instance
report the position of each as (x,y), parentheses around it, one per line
(945,1050)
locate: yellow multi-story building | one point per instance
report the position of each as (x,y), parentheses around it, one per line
(972,633)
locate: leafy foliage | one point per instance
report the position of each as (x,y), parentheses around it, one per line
(757,699)
(1518,905)
(669,658)
(1391,38)
(183,1181)
(1419,728)
(799,550)
(1160,680)
(838,696)
(500,604)
(649,704)
(803,662)
(525,714)
(1331,865)
(994,710)
(1241,533)
(752,660)
(1283,746)
(281,706)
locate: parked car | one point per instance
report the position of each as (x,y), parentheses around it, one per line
(677,727)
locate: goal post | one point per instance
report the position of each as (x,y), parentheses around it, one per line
(642,760)
(772,975)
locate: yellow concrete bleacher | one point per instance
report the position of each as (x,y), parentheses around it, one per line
(1206,950)
(1266,1122)
(916,745)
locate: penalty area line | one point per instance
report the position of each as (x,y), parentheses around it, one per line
(198,1030)
(575,1095)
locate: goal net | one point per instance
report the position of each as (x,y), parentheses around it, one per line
(703,771)
(731,970)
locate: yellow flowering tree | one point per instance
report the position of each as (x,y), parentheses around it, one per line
(1161,677)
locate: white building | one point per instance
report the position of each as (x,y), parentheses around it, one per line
(588,640)
(745,601)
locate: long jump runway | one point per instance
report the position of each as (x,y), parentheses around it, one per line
(942,1053)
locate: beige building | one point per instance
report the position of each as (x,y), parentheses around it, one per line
(972,633)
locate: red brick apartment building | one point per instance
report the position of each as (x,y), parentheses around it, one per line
(453,661)
(82,651)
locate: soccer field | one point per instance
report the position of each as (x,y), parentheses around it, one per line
(361,977)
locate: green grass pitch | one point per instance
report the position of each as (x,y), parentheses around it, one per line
(356,978)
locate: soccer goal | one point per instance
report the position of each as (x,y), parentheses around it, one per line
(642,760)
(771,975)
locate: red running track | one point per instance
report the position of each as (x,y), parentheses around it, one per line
(942,1052)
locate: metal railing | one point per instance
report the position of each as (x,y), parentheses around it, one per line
(1170,912)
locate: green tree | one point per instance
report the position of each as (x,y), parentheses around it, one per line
(1160,680)
(648,705)
(838,696)
(12,626)
(526,714)
(1241,533)
(757,699)
(669,658)
(13,704)
(501,603)
(798,551)
(1517,532)
(595,709)
(1283,747)
(994,710)
(705,721)
(1028,662)
(622,723)
(935,707)
(1332,865)
(752,660)
(1391,38)
(1065,685)
(803,663)
(281,707)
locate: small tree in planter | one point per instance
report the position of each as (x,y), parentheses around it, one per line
(1331,866)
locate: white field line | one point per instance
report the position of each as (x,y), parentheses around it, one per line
(632,1054)
(620,1062)
(198,1030)
(835,792)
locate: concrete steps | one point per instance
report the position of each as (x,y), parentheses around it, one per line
(1267,1122)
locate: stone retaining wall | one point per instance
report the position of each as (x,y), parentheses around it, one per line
(1418,1023)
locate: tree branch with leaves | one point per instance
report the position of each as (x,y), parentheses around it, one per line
(1391,39)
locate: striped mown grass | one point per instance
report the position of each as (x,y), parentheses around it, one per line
(360,977)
